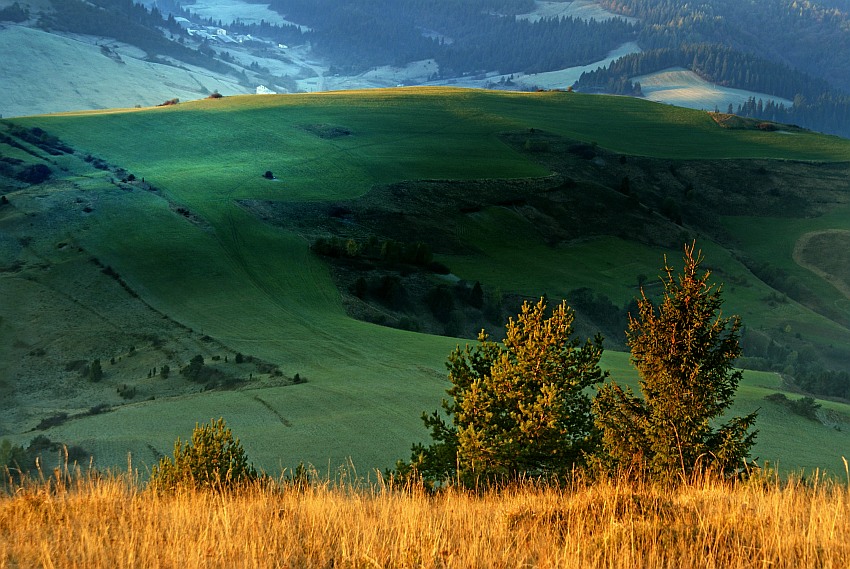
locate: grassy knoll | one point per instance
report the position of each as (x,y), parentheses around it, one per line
(199,258)
(111,523)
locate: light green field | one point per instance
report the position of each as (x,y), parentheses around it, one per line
(684,88)
(258,289)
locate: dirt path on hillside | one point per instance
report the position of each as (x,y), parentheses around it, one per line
(797,255)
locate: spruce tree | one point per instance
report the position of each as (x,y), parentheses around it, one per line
(517,409)
(684,352)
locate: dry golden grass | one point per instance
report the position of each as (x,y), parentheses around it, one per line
(110,522)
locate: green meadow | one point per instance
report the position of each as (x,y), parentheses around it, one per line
(258,289)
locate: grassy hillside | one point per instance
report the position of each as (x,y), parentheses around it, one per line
(217,274)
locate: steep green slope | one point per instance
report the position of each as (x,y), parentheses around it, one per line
(194,253)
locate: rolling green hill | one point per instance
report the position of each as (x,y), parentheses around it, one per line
(160,238)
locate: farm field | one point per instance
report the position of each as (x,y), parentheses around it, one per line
(231,10)
(684,88)
(563,78)
(64,81)
(225,281)
(584,9)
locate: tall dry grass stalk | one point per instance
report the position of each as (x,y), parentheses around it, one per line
(86,521)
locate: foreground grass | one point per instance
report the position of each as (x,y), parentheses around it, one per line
(111,523)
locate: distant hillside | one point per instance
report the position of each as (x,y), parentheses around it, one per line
(778,49)
(78,74)
(807,101)
(303,264)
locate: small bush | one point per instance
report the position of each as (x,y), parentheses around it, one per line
(12,456)
(212,459)
(126,391)
(35,174)
(805,406)
(52,421)
(95,371)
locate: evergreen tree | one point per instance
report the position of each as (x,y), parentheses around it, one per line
(683,350)
(517,409)
(213,459)
(95,371)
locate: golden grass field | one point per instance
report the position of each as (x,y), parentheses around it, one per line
(112,522)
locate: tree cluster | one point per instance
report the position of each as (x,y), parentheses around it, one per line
(523,407)
(14,13)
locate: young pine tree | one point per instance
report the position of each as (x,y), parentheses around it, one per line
(684,351)
(517,409)
(214,459)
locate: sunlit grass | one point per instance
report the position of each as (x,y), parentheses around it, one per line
(111,522)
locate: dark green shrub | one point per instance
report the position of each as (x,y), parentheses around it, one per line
(805,406)
(95,371)
(440,302)
(12,456)
(193,370)
(35,174)
(126,391)
(213,459)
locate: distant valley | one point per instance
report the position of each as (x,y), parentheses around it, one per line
(188,50)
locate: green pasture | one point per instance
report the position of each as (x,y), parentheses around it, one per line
(259,290)
(759,237)
(611,266)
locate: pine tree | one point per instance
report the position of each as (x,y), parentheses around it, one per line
(517,409)
(684,351)
(213,459)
